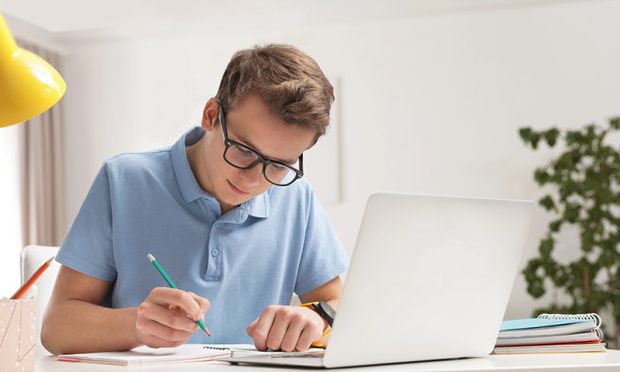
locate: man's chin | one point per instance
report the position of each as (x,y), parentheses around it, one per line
(234,199)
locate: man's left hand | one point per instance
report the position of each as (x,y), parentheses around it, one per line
(286,328)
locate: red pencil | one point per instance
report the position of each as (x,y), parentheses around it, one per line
(20,292)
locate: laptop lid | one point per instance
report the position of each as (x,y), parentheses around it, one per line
(430,278)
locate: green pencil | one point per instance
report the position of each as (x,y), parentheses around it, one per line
(172,285)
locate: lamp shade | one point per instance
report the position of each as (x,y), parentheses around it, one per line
(28,85)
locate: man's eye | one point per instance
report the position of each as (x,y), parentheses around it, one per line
(244,150)
(279,168)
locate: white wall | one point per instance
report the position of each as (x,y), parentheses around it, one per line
(427,104)
(10,212)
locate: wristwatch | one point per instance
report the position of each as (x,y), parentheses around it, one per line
(323,309)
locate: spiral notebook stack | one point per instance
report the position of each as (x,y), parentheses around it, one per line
(551,333)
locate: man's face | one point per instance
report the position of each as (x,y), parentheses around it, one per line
(252,124)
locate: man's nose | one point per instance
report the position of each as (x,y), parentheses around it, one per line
(252,176)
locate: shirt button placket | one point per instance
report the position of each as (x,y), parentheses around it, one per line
(215,261)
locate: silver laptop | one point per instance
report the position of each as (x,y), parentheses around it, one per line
(430,279)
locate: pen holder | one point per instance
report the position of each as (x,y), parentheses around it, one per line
(17,335)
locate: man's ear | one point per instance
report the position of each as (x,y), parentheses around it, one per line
(209,114)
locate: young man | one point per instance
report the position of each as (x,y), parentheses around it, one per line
(225,212)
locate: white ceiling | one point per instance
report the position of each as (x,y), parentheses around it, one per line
(75,16)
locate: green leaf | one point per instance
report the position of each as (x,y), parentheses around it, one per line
(541,176)
(556,225)
(573,138)
(534,139)
(571,213)
(561,277)
(587,241)
(551,136)
(525,134)
(590,134)
(547,203)
(607,259)
(536,289)
(546,246)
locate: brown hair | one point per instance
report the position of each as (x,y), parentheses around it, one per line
(289,81)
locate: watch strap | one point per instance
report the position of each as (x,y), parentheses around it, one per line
(316,306)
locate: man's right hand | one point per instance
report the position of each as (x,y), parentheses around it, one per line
(167,317)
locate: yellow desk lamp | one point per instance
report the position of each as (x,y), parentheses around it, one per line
(28,85)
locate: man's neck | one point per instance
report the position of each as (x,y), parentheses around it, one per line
(195,154)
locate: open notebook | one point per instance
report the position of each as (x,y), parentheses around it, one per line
(145,355)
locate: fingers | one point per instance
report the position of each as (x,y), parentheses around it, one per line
(261,328)
(157,342)
(306,338)
(203,303)
(153,328)
(290,340)
(286,328)
(250,329)
(278,329)
(176,297)
(168,316)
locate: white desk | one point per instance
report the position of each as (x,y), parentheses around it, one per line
(609,361)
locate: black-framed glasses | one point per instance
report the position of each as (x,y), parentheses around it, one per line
(243,157)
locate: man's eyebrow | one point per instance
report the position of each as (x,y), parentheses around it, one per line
(248,143)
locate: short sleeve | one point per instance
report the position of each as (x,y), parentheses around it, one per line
(88,246)
(323,257)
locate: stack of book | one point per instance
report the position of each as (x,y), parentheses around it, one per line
(551,333)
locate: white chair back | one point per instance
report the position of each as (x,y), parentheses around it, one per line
(32,257)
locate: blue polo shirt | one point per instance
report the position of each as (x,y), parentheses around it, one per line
(278,243)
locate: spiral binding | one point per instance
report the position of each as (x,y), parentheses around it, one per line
(216,348)
(599,334)
(590,316)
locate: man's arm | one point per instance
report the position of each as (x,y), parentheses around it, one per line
(75,321)
(329,292)
(294,328)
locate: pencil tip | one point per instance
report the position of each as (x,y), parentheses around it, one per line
(150,257)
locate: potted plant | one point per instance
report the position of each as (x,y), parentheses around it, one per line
(584,183)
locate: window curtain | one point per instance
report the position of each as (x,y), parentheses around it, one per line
(41,166)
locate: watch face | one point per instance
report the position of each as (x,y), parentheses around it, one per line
(329,311)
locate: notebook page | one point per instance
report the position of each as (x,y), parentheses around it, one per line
(146,355)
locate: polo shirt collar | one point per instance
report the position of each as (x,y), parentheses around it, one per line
(258,206)
(191,190)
